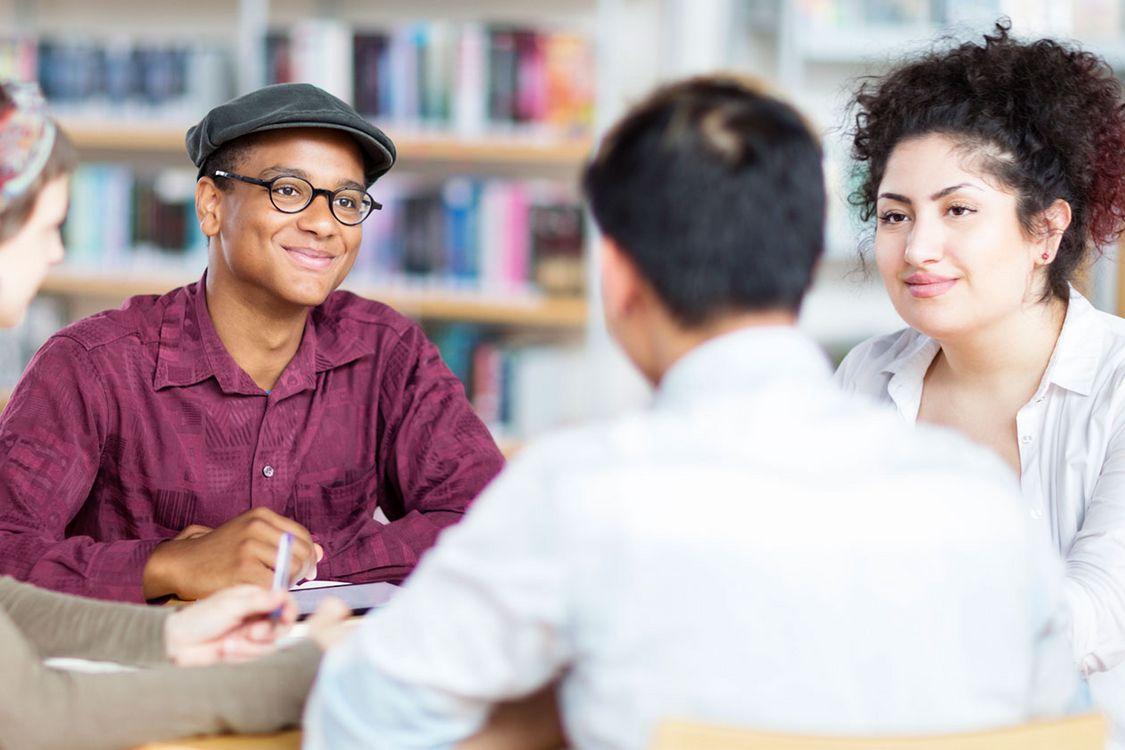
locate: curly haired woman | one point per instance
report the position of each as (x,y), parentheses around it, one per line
(993,171)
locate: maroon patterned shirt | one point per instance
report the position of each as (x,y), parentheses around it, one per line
(134,423)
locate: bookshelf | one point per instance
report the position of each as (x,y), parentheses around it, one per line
(519,310)
(509,157)
(130,137)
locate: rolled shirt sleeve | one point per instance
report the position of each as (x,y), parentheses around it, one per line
(1095,565)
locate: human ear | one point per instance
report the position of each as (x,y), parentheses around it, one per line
(208,206)
(1055,219)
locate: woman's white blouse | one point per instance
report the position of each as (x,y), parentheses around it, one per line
(1072,467)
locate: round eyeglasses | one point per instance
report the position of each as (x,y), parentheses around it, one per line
(292,195)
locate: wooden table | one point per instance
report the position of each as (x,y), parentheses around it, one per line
(290,740)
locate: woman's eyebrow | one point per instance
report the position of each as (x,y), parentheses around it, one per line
(946,191)
(936,196)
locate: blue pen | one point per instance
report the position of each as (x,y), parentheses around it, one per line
(281,567)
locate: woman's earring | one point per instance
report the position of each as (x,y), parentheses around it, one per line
(1046,257)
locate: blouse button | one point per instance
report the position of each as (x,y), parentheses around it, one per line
(1036,513)
(1026,439)
(267,471)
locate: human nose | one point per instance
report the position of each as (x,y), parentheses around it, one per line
(317,217)
(924,243)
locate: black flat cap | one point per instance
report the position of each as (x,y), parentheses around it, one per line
(289,105)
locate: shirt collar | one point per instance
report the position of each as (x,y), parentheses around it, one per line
(190,350)
(907,373)
(1074,362)
(182,358)
(337,337)
(914,359)
(740,362)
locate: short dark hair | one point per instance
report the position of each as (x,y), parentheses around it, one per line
(715,190)
(1048,120)
(229,157)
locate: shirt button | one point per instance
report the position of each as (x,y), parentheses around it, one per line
(1026,439)
(267,471)
(1036,514)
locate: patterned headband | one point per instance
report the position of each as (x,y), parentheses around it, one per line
(27,135)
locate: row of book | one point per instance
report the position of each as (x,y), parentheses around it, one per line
(117,215)
(126,78)
(1094,17)
(488,235)
(493,235)
(519,388)
(466,77)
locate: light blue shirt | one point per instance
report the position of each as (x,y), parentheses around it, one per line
(756,549)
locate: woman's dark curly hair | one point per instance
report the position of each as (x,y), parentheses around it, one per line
(1048,119)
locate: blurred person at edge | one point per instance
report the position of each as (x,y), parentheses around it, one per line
(45,708)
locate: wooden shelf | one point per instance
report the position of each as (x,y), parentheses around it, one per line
(517,310)
(132,136)
(570,152)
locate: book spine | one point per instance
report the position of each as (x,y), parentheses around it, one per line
(368,58)
(462,77)
(502,74)
(469,106)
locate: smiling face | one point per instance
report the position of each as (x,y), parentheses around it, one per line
(26,255)
(273,259)
(948,241)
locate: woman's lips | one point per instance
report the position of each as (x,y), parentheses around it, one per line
(310,259)
(924,285)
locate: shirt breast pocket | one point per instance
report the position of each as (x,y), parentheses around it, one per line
(339,502)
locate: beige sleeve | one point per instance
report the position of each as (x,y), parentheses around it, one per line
(47,708)
(64,625)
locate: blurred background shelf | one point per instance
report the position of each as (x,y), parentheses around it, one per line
(495,105)
(125,136)
(491,105)
(517,309)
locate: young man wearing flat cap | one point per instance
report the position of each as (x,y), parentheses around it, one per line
(163,449)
